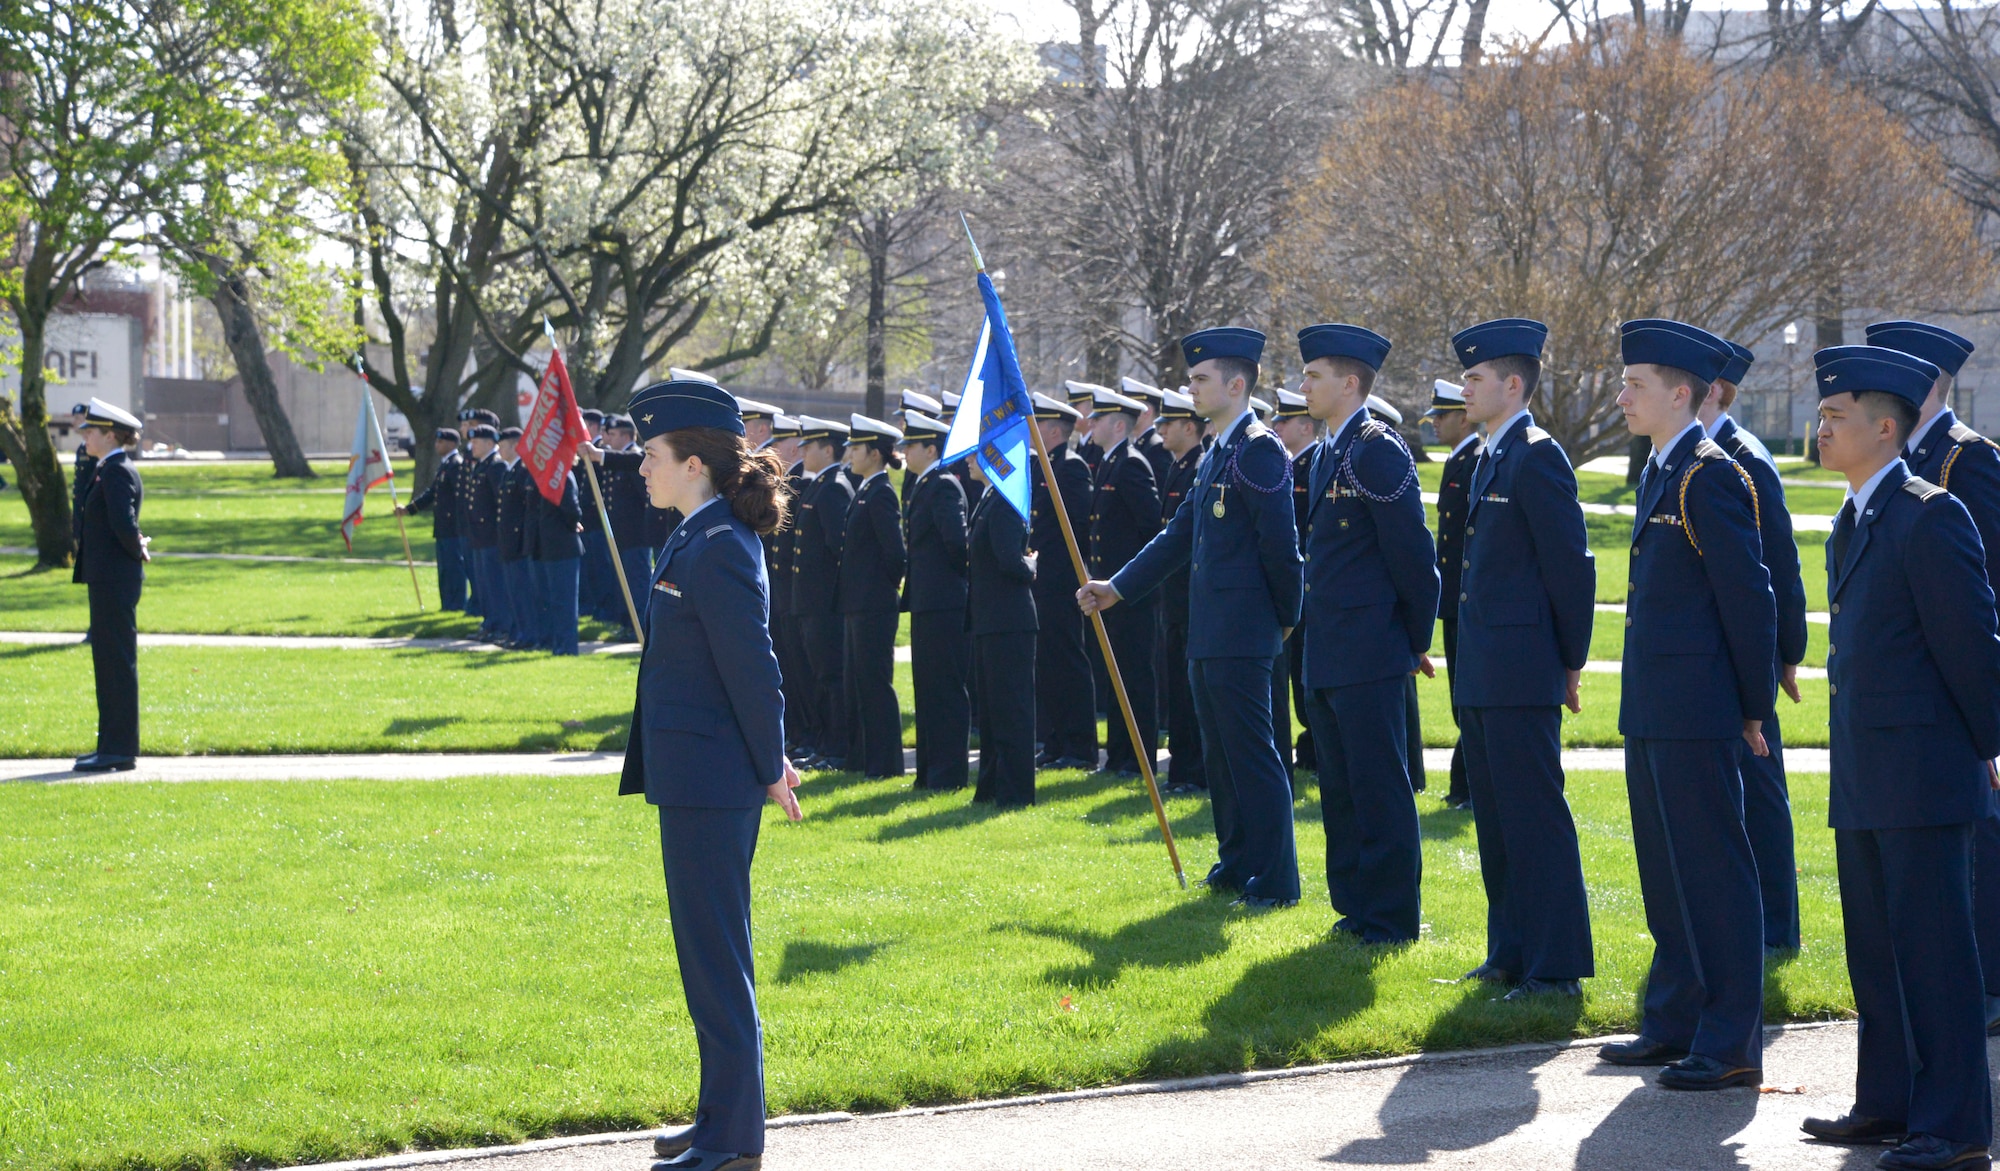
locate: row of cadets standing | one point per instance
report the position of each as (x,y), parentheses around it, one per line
(1699,675)
(442,497)
(1370,604)
(1236,534)
(1065,692)
(540,548)
(934,593)
(1124,515)
(1182,434)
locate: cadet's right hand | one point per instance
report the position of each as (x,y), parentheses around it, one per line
(1096,597)
(1573,692)
(592,452)
(1788,678)
(783,795)
(1993,774)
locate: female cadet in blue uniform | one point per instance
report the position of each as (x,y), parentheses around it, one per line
(1767,802)
(818,530)
(1965,463)
(1913,672)
(872,560)
(1370,607)
(1526,600)
(1065,695)
(1700,673)
(1002,619)
(1236,533)
(934,526)
(111,558)
(707,741)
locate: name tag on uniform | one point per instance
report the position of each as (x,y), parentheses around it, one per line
(668,588)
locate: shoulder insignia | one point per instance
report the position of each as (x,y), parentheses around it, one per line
(716,529)
(1923,489)
(1534,434)
(1960,433)
(1255,428)
(1709,449)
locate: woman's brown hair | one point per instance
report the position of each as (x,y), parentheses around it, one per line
(752,481)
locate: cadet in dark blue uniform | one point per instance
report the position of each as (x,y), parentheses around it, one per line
(596,591)
(934,527)
(1913,672)
(626,503)
(1699,675)
(489,584)
(1295,427)
(1236,535)
(707,743)
(1447,414)
(111,558)
(1180,432)
(1965,463)
(1370,608)
(1527,595)
(518,541)
(1083,396)
(872,561)
(1065,691)
(817,532)
(557,563)
(86,463)
(797,680)
(1001,617)
(1767,802)
(1124,515)
(1146,430)
(442,496)
(467,484)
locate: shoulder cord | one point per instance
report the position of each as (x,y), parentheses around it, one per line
(1234,472)
(1687,522)
(1958,449)
(1354,481)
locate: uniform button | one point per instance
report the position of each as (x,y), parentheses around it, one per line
(1461,597)
(1628,620)
(1833,689)
(1309,587)
(1309,557)
(1836,607)
(1829,648)
(1468,530)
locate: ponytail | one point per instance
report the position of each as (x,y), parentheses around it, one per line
(752,481)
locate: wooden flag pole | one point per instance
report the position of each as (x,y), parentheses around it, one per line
(405,532)
(617,562)
(1142,750)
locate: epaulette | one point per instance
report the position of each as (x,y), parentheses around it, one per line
(1706,452)
(1709,449)
(1962,437)
(1534,434)
(1923,489)
(716,529)
(1256,428)
(1374,431)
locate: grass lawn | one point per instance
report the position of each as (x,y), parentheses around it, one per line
(223,975)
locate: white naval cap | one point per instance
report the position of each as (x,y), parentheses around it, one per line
(861,429)
(103,414)
(1050,408)
(1105,401)
(923,429)
(915,401)
(812,428)
(1380,406)
(1139,390)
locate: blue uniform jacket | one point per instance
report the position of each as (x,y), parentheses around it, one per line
(1124,509)
(1701,642)
(1966,464)
(108,549)
(1244,583)
(708,722)
(1781,549)
(1371,588)
(872,556)
(1527,581)
(1913,664)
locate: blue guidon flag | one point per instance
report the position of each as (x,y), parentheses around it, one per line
(994,412)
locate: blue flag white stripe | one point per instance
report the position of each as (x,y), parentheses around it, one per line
(994,411)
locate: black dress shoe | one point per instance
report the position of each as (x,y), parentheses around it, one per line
(1488,974)
(1927,1152)
(1250,902)
(669,1143)
(1072,762)
(1855,1129)
(1695,1072)
(696,1159)
(1641,1050)
(99,762)
(1532,987)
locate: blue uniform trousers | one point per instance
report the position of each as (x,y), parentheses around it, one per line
(114,657)
(524,601)
(1905,899)
(1374,851)
(1767,818)
(559,582)
(595,589)
(1705,990)
(637,563)
(1537,915)
(1248,785)
(451,572)
(707,853)
(1986,893)
(1130,626)
(489,585)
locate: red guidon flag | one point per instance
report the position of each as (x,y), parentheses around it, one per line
(554,430)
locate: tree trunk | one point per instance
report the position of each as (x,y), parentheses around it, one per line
(875,242)
(1470,51)
(246,344)
(43,485)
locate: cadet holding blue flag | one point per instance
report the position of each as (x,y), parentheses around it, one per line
(1370,606)
(1964,463)
(1527,595)
(1236,534)
(1767,802)
(1699,676)
(1913,672)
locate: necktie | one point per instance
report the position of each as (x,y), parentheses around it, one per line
(1843,531)
(1646,478)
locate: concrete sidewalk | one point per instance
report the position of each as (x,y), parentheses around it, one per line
(1530,1106)
(433,766)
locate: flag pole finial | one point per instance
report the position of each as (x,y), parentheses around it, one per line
(978,261)
(548,330)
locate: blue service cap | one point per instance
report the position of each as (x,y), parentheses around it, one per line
(1334,340)
(680,403)
(1229,341)
(450,433)
(1740,361)
(1499,338)
(1940,347)
(1853,369)
(1658,341)
(486,431)
(592,415)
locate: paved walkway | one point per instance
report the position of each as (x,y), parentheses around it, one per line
(434,766)
(1526,1107)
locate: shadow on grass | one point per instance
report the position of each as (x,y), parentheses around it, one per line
(410,727)
(1420,1117)
(807,957)
(1186,933)
(957,815)
(28,650)
(1442,823)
